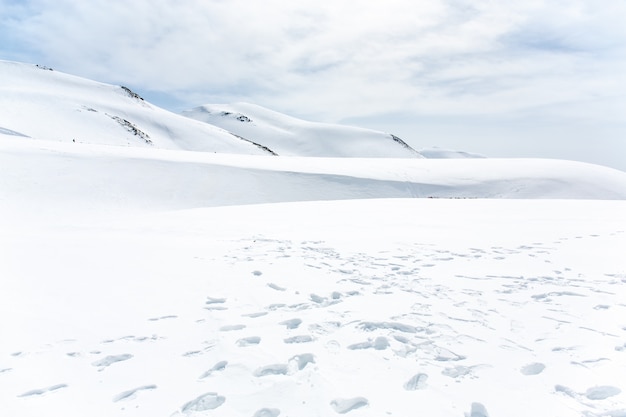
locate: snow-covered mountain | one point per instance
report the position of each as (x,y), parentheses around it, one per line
(286,135)
(40,103)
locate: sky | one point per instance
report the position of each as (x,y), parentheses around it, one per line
(539,78)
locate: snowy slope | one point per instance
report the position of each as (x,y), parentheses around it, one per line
(44,104)
(286,135)
(101,178)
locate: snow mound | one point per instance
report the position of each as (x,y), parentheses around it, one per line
(41,103)
(286,135)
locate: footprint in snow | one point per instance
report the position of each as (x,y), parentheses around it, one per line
(291,323)
(255,315)
(212,300)
(163,318)
(602,392)
(275,369)
(276,287)
(533,368)
(267,412)
(369,326)
(317,299)
(232,327)
(220,366)
(417,382)
(302,360)
(457,371)
(296,363)
(214,307)
(248,341)
(130,394)
(109,360)
(205,402)
(43,390)
(565,390)
(446,355)
(299,339)
(594,393)
(380,343)
(342,406)
(215,303)
(477,410)
(460,371)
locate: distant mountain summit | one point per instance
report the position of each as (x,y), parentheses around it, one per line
(286,135)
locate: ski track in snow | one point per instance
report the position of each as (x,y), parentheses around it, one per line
(422,309)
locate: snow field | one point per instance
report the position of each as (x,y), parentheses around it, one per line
(320,308)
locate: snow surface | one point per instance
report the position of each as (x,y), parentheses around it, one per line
(146,280)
